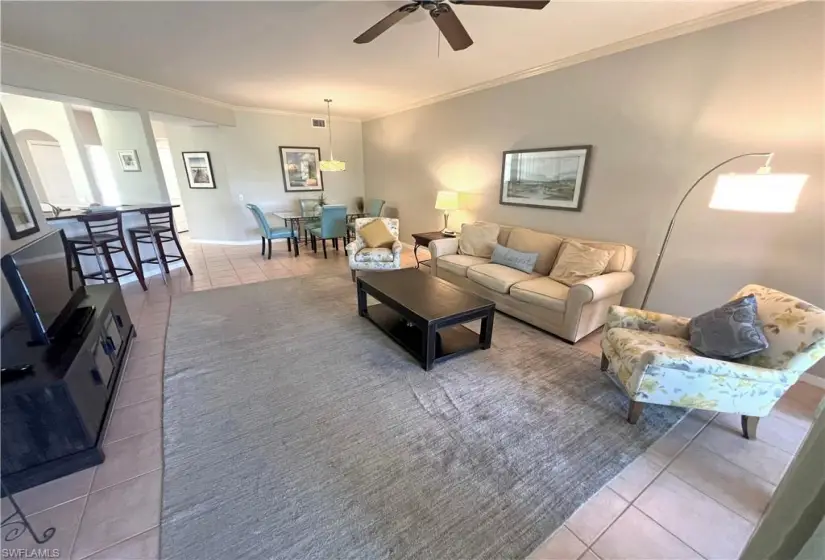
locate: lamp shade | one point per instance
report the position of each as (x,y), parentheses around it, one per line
(446,200)
(333,165)
(758,192)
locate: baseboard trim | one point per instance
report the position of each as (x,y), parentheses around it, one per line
(813,380)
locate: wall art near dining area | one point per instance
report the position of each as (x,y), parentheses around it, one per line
(545,177)
(199,170)
(301,169)
(128,160)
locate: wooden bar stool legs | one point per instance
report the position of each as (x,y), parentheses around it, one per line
(104,238)
(159,229)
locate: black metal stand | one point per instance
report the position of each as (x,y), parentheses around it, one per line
(22,524)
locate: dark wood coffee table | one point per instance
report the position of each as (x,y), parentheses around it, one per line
(424,314)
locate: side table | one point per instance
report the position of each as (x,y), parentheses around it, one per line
(423,240)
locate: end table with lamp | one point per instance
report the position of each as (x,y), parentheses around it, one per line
(423,240)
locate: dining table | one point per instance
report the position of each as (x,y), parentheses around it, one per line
(293,219)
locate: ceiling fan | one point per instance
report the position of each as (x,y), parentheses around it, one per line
(445,18)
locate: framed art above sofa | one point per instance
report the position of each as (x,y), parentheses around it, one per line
(545,177)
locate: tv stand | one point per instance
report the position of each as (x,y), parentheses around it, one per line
(54,416)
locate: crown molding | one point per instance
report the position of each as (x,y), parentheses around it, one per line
(750,9)
(264,110)
(114,75)
(165,89)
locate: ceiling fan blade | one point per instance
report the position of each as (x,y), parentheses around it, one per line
(524,4)
(386,23)
(446,20)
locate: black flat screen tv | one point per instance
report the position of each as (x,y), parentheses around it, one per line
(38,278)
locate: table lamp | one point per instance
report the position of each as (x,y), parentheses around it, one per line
(762,191)
(446,200)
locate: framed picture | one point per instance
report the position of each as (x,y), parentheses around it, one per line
(301,169)
(14,202)
(545,178)
(199,170)
(128,160)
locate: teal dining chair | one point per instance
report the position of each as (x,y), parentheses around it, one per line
(268,233)
(372,209)
(333,226)
(309,216)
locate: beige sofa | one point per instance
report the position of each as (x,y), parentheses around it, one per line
(569,312)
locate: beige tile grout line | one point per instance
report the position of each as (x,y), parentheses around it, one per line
(642,491)
(153,527)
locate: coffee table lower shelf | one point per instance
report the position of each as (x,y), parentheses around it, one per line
(451,341)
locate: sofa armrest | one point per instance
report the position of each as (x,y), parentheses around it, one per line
(648,321)
(441,247)
(600,287)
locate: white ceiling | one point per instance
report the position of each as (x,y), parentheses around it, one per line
(290,55)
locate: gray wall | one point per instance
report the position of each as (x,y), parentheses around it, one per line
(658,117)
(246,162)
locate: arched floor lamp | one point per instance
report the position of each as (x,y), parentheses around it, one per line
(762,191)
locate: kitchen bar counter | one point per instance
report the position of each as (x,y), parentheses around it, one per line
(67,221)
(124,209)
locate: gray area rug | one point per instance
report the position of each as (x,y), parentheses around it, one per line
(295,429)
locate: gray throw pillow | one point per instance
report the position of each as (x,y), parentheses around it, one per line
(728,332)
(514,259)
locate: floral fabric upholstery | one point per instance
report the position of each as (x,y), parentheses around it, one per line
(649,355)
(374,255)
(795,330)
(362,257)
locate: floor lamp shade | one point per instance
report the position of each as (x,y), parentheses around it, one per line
(758,192)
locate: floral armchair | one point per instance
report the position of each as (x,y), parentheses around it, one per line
(649,355)
(362,257)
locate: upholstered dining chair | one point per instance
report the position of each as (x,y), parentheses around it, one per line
(309,216)
(362,257)
(649,355)
(333,226)
(268,233)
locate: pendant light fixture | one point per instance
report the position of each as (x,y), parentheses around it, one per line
(331,164)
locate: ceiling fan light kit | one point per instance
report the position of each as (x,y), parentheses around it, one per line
(445,18)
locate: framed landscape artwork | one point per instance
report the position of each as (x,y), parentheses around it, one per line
(128,160)
(301,169)
(16,208)
(199,170)
(545,178)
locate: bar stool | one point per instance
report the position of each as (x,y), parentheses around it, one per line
(104,238)
(159,228)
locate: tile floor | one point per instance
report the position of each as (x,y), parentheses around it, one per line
(697,493)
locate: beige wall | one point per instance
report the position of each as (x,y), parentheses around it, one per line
(657,117)
(247,163)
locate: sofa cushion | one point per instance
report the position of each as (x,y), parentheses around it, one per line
(497,277)
(543,292)
(458,264)
(545,244)
(506,256)
(623,255)
(376,234)
(478,239)
(579,262)
(377,254)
